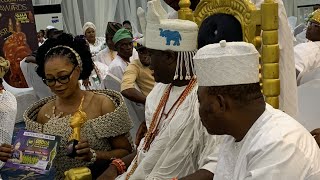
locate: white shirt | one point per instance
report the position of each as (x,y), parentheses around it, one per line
(276,147)
(182,145)
(97,46)
(288,84)
(117,67)
(105,56)
(307,57)
(8,112)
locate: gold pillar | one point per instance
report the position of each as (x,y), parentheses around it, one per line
(270,52)
(185,12)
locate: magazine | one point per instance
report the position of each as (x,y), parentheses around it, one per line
(34,152)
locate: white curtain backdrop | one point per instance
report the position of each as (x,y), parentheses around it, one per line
(77,12)
(100,12)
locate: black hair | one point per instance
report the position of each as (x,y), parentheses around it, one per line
(243,93)
(42,31)
(194,4)
(78,44)
(219,27)
(126,22)
(51,32)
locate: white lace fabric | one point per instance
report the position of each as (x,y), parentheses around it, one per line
(8,112)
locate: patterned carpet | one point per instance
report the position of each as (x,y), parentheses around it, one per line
(14,174)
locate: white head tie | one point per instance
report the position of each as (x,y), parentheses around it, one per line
(78,58)
(88,25)
(225,63)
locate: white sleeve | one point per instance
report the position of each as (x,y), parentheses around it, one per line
(298,58)
(284,161)
(117,72)
(209,156)
(8,112)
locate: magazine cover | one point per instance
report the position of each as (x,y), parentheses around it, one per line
(18,37)
(34,152)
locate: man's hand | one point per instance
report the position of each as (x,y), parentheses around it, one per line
(86,83)
(316,134)
(141,133)
(110,174)
(30,59)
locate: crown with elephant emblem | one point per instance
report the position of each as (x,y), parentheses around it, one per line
(161,33)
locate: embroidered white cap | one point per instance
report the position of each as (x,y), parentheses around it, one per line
(161,33)
(225,63)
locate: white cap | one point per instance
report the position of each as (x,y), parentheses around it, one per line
(162,33)
(50,27)
(225,63)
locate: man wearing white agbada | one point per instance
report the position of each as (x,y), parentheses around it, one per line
(288,98)
(265,143)
(307,55)
(176,144)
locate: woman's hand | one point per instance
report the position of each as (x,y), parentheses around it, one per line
(83,150)
(316,134)
(86,83)
(110,174)
(6,151)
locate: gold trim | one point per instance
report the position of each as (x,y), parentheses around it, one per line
(253,21)
(243,10)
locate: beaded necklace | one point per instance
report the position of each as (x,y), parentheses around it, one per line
(153,129)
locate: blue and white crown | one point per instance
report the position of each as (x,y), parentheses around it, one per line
(162,33)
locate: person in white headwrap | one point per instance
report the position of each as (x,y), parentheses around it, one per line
(96,43)
(176,144)
(307,55)
(8,112)
(264,143)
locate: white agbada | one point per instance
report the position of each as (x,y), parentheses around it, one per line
(8,112)
(105,56)
(182,145)
(117,67)
(307,57)
(275,147)
(288,84)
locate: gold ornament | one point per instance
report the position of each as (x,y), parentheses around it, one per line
(76,121)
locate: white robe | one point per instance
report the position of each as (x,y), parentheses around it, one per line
(97,46)
(288,84)
(276,147)
(104,56)
(307,58)
(117,67)
(182,145)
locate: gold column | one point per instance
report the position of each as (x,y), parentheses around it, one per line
(270,52)
(185,12)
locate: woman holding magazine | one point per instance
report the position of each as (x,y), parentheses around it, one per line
(105,123)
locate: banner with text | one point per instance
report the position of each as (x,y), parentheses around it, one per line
(18,37)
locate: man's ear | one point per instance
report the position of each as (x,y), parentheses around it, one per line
(222,103)
(116,47)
